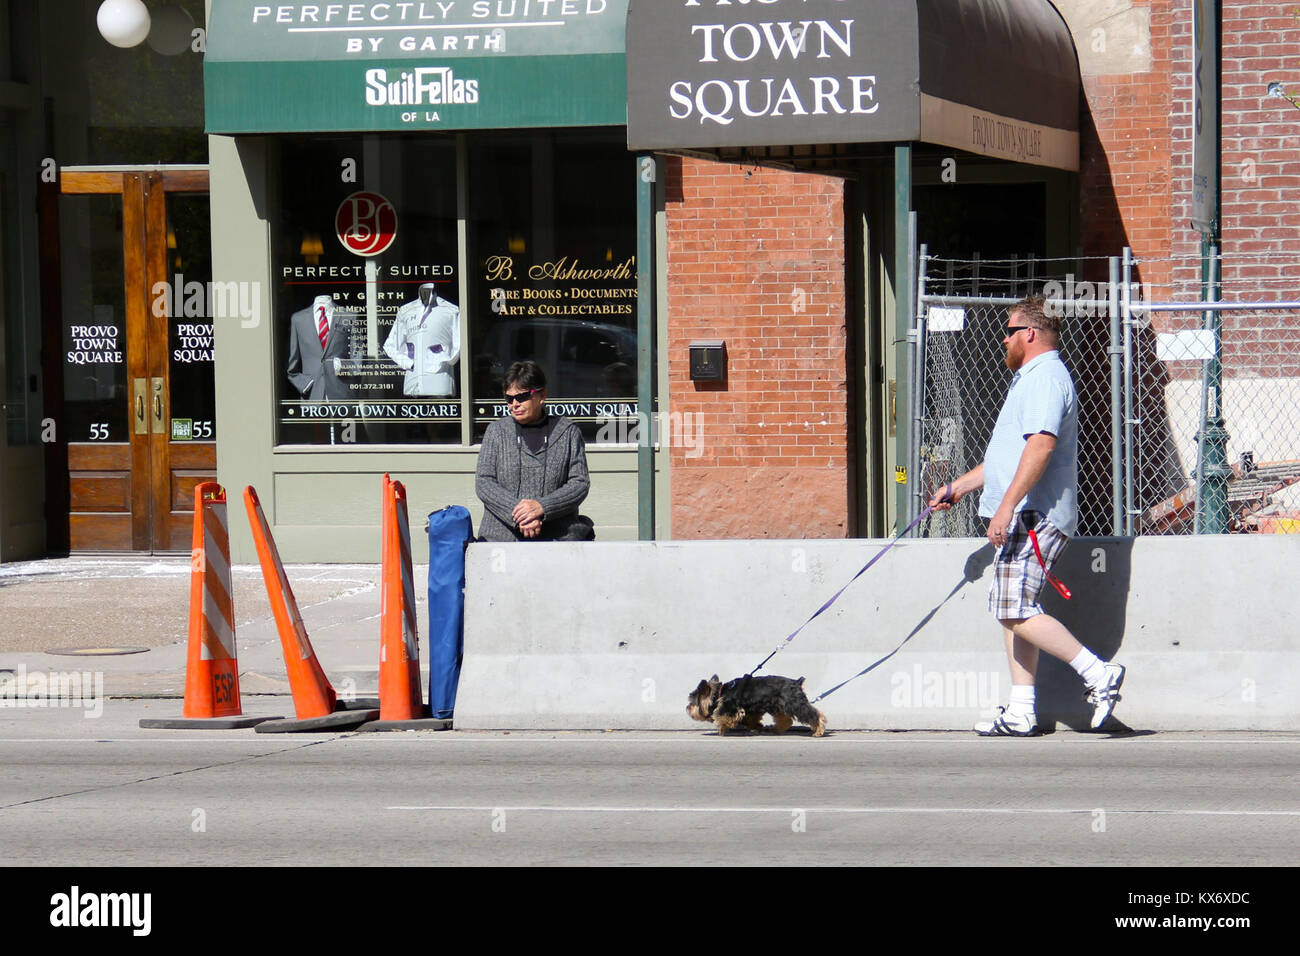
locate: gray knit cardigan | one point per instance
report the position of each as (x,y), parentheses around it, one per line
(508,473)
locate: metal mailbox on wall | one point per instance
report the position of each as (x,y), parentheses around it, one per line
(708,360)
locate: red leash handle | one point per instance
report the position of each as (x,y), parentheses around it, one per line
(1053,579)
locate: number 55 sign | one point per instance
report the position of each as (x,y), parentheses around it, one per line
(366,223)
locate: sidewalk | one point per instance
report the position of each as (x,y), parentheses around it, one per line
(142,603)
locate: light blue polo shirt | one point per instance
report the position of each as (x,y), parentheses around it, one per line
(1041,399)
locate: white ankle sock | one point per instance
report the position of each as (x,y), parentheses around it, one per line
(1090,667)
(1022,700)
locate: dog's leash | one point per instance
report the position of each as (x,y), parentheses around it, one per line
(835,597)
(1056,583)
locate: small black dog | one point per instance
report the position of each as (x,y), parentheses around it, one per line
(746,699)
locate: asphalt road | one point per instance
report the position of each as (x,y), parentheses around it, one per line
(77,791)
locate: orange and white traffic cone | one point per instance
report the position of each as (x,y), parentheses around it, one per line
(314,700)
(211,669)
(399,637)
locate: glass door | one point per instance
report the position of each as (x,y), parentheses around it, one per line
(134,277)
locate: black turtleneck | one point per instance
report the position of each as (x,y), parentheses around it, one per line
(534,435)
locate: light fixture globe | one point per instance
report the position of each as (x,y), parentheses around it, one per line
(123,23)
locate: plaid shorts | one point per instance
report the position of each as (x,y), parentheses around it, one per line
(1018,578)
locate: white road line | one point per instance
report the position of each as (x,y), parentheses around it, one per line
(446,738)
(863,810)
(842,738)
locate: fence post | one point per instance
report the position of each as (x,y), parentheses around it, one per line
(1212,469)
(1126,293)
(918,393)
(1116,409)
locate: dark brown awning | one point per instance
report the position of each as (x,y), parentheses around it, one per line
(994,77)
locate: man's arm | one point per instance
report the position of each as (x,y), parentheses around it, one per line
(958,488)
(1033,463)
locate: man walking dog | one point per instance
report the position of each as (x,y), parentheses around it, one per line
(1029,478)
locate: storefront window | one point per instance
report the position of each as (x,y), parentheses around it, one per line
(554,239)
(370,342)
(374,348)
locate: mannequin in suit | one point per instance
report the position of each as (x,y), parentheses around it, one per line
(425,343)
(313,369)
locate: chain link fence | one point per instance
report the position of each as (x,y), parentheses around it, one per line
(1147,382)
(1253,408)
(963,380)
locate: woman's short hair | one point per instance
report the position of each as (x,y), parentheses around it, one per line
(525,374)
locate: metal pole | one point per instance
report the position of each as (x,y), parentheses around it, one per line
(1116,409)
(1212,469)
(645,328)
(1286,305)
(1207,216)
(1126,292)
(1198,474)
(918,387)
(468,385)
(902,320)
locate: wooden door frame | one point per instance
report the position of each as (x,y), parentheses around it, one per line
(157,185)
(144,256)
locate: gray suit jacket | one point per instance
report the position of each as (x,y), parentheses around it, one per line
(311,368)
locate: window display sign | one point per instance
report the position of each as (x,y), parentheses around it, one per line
(555,275)
(94,375)
(328,363)
(366,224)
(576,321)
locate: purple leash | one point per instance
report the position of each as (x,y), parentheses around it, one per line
(880,554)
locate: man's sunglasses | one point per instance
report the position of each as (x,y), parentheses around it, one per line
(1013,329)
(521,396)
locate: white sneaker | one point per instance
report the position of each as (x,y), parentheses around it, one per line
(1105,695)
(1009,725)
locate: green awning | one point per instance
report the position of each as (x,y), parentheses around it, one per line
(414,65)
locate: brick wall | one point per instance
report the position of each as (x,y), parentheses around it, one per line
(1135,180)
(1260,176)
(1261,142)
(1125,175)
(756,257)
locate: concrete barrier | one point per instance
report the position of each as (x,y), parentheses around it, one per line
(615,634)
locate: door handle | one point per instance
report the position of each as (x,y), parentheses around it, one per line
(138,389)
(156,385)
